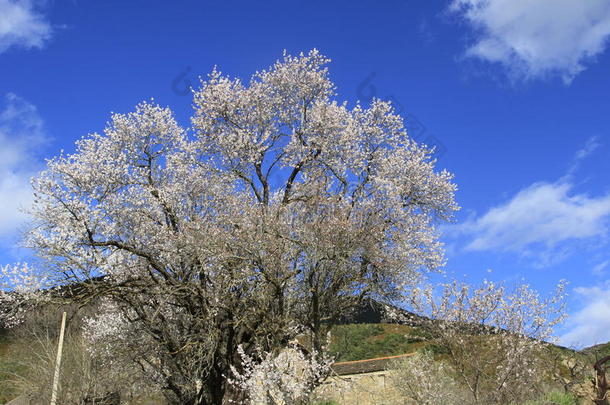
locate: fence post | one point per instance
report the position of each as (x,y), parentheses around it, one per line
(60,346)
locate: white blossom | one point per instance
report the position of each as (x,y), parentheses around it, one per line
(283,378)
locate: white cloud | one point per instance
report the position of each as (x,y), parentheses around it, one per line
(600,268)
(590,325)
(21,25)
(22,136)
(590,147)
(537,38)
(542,215)
(545,221)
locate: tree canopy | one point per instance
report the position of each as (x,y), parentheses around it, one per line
(272,216)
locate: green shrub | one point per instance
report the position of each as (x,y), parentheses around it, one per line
(437,350)
(554,398)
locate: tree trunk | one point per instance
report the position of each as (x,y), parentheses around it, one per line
(214,389)
(601,383)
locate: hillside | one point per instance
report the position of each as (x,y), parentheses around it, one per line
(365,341)
(599,350)
(366,334)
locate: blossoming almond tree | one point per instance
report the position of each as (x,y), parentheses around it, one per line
(491,339)
(278,211)
(425,381)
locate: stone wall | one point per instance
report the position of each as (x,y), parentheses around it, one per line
(374,388)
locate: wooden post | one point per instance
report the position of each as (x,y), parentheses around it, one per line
(60,346)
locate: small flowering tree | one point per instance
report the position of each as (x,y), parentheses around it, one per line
(491,340)
(287,377)
(20,289)
(85,376)
(425,381)
(281,206)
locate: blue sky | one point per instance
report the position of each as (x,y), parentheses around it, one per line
(514,93)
